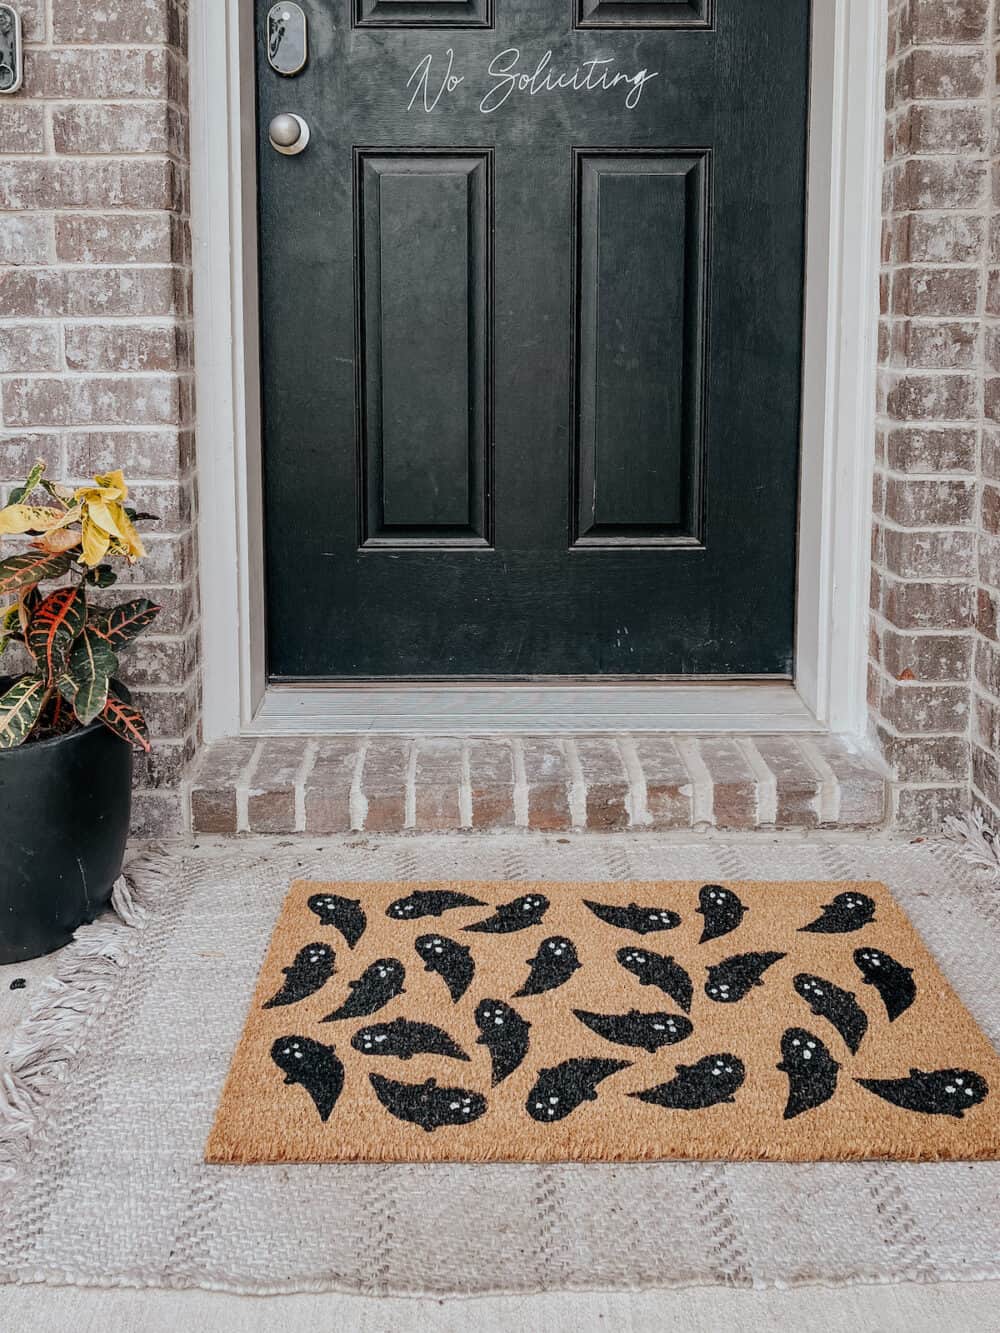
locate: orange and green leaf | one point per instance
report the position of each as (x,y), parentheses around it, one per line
(88,674)
(53,628)
(125,720)
(121,624)
(18,571)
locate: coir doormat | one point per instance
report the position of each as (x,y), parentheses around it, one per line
(604,1022)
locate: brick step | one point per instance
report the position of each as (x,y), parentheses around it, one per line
(642,781)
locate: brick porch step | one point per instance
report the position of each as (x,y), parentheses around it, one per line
(643,781)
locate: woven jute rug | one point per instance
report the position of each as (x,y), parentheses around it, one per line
(603,1022)
(109,1092)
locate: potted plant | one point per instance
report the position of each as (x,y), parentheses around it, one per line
(67,726)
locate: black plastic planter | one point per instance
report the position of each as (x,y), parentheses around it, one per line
(65,806)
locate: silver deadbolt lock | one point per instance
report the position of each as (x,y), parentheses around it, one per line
(11,50)
(287,38)
(288,133)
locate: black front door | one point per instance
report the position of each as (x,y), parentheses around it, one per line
(531,323)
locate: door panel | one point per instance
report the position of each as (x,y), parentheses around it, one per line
(645,13)
(642,322)
(531,339)
(425,354)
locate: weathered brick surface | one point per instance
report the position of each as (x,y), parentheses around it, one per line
(931,508)
(442,784)
(95,312)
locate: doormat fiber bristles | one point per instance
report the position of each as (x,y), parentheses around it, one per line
(608,1022)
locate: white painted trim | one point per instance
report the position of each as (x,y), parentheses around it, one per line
(838,401)
(841,335)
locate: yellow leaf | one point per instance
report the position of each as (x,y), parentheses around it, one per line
(126,531)
(113,485)
(95,542)
(28,518)
(105,516)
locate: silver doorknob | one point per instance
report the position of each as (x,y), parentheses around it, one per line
(288,133)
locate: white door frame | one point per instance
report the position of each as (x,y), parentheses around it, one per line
(841,325)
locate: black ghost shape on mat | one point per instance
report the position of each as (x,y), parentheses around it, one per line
(427,1105)
(451,961)
(892,980)
(734,978)
(552,966)
(312,968)
(643,920)
(839,1007)
(647,1031)
(713,1080)
(403,1039)
(314,1066)
(430,902)
(523,912)
(505,1036)
(811,1070)
(343,914)
(560,1090)
(377,985)
(722,911)
(653,969)
(847,912)
(937,1092)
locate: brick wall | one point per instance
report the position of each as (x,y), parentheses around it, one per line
(95,307)
(931,442)
(986,679)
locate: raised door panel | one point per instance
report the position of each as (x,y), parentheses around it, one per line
(645,13)
(641,331)
(424,278)
(423,13)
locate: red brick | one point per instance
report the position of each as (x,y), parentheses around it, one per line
(327,785)
(915,554)
(153,453)
(930,74)
(22,128)
(32,347)
(929,605)
(931,449)
(915,709)
(81,74)
(103,238)
(213,785)
(668,783)
(932,397)
(117,21)
(126,347)
(734,783)
(92,401)
(25,239)
(927,657)
(42,292)
(271,805)
(915,503)
(491,779)
(606,782)
(125,127)
(438,782)
(947,21)
(797,782)
(30,183)
(933,291)
(383,783)
(548,780)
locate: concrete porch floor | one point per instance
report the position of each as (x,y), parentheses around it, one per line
(903,1308)
(861,1309)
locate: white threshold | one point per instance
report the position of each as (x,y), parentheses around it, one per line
(748,707)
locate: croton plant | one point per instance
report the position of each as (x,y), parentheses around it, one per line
(73,644)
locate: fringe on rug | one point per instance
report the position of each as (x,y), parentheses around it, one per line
(45,1046)
(975,840)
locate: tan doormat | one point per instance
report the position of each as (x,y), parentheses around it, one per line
(626,1022)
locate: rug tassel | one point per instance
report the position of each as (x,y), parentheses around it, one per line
(45,1046)
(975,840)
